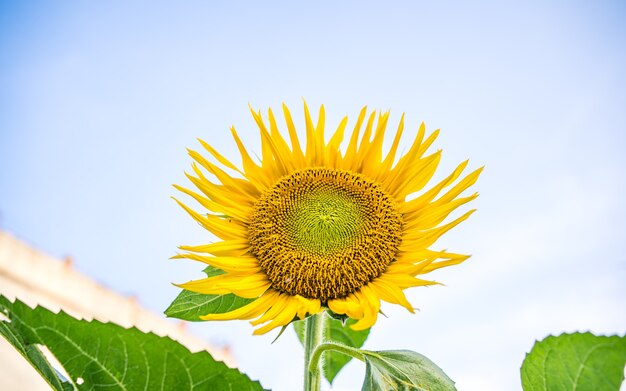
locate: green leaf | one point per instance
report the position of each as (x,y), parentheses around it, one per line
(336,331)
(298,327)
(191,305)
(35,357)
(107,356)
(212,271)
(580,361)
(403,370)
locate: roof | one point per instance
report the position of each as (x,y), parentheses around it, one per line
(39,279)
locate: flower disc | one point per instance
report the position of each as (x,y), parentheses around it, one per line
(324,233)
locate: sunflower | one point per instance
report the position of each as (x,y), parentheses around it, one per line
(311,228)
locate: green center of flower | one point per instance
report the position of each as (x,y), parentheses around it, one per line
(324,221)
(323,233)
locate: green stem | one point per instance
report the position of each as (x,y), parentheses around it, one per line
(341,348)
(313,336)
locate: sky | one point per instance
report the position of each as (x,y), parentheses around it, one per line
(99,101)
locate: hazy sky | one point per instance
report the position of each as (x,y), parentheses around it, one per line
(98,101)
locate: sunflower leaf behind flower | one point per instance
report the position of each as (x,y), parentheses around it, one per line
(316,228)
(190,305)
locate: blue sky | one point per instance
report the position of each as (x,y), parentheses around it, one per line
(99,101)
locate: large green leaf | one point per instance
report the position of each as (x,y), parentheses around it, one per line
(403,370)
(580,361)
(191,305)
(106,356)
(336,331)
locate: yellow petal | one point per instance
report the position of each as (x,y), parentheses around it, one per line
(416,240)
(432,215)
(225,248)
(349,305)
(414,206)
(225,162)
(359,158)
(248,311)
(350,155)
(279,305)
(404,281)
(233,265)
(314,137)
(293,136)
(391,294)
(229,210)
(413,152)
(418,263)
(371,305)
(440,264)
(333,152)
(222,193)
(252,170)
(272,159)
(412,176)
(466,182)
(307,306)
(373,153)
(234,184)
(281,145)
(391,155)
(281,319)
(319,136)
(222,228)
(244,286)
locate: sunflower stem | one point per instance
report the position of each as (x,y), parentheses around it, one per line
(313,337)
(338,347)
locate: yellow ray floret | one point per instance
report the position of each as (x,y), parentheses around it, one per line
(333,223)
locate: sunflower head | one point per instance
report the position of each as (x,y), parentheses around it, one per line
(322,226)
